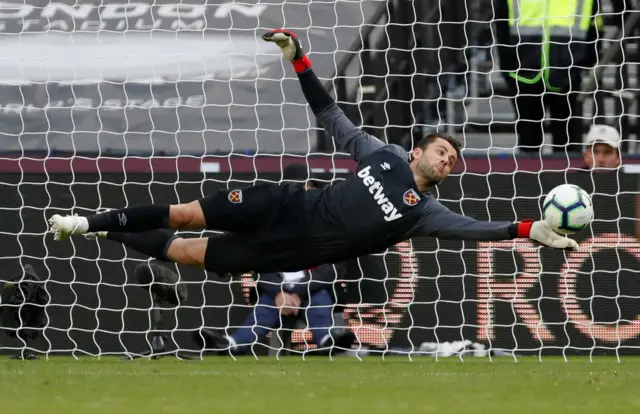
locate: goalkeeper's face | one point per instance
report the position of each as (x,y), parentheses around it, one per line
(436,161)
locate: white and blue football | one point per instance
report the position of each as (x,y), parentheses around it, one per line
(568,209)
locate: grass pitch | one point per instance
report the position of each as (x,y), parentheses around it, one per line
(319,385)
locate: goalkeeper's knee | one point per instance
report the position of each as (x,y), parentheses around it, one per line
(190,252)
(155,243)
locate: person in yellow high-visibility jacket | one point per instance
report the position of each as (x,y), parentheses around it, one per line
(544,47)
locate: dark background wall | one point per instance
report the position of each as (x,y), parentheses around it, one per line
(429,290)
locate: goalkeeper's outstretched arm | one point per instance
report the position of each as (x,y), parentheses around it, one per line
(354,140)
(438,221)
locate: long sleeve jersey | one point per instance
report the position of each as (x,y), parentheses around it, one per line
(380,205)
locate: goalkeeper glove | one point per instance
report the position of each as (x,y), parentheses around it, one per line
(541,232)
(291,48)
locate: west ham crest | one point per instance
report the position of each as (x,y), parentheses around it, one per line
(235,196)
(411,198)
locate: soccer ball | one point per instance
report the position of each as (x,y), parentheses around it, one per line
(567,209)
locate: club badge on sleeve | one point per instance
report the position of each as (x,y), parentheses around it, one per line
(411,198)
(235,196)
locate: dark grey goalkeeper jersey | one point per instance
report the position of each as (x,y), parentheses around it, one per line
(380,204)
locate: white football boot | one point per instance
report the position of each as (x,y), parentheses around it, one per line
(63,227)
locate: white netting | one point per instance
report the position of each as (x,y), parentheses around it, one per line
(118,103)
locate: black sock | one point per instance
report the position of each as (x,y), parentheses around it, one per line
(152,243)
(131,220)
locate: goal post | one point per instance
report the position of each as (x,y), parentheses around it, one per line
(111,104)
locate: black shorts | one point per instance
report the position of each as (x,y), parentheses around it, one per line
(265,229)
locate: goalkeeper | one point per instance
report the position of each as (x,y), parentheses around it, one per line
(279,228)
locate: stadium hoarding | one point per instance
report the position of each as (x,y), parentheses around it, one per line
(156,77)
(507,294)
(519,296)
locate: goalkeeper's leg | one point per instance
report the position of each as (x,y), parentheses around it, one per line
(224,254)
(240,211)
(130,220)
(162,245)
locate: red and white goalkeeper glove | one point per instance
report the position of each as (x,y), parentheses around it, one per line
(541,232)
(291,48)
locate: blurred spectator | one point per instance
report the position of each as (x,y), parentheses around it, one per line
(543,57)
(602,148)
(306,294)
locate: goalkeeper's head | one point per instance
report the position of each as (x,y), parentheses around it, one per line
(433,158)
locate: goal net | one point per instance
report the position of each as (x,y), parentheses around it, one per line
(108,104)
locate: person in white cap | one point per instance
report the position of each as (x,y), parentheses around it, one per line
(602,148)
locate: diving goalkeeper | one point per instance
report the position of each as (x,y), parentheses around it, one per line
(282,227)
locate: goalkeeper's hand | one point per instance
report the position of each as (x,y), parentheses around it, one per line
(290,46)
(542,233)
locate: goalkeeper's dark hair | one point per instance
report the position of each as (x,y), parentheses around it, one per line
(428,139)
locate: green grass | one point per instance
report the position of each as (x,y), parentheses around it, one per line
(319,385)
